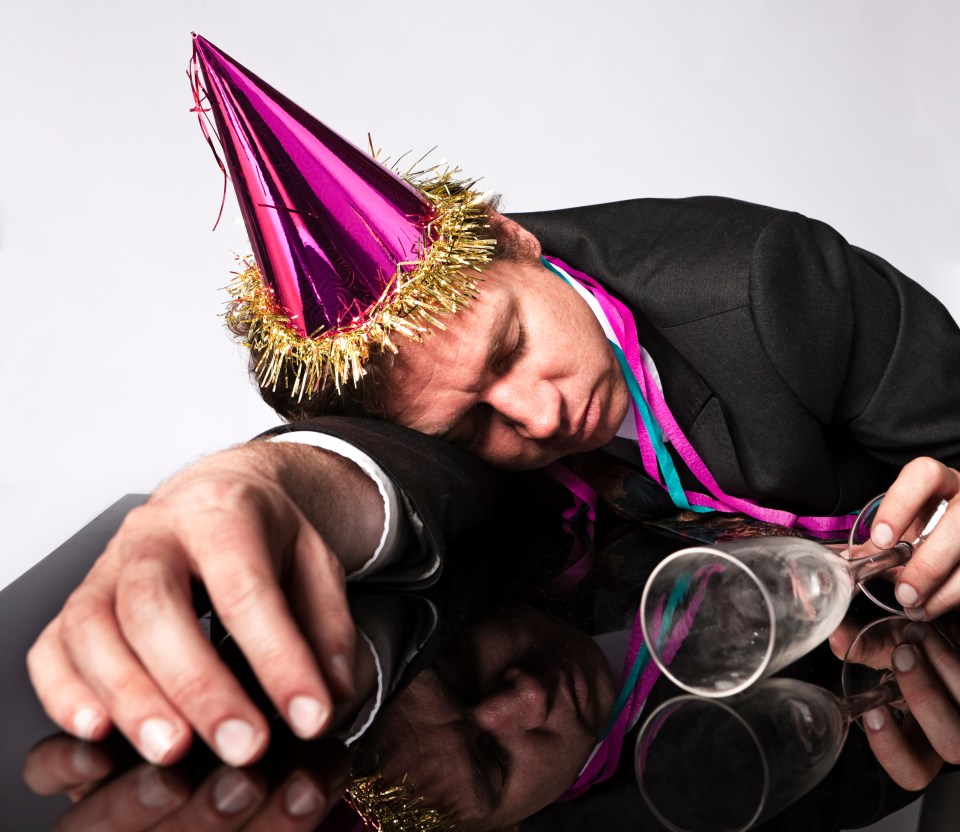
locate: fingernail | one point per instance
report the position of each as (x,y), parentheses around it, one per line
(904,658)
(914,632)
(85,722)
(152,791)
(341,667)
(874,719)
(233,793)
(307,716)
(83,761)
(157,737)
(915,613)
(302,798)
(882,535)
(907,595)
(236,741)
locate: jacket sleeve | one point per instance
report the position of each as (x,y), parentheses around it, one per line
(444,491)
(874,356)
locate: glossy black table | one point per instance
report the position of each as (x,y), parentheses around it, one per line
(32,600)
(26,606)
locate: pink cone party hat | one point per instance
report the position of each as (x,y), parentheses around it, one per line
(347,251)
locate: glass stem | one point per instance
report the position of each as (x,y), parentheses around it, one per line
(883,694)
(863,568)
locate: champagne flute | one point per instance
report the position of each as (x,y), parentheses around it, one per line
(860,545)
(706,765)
(718,618)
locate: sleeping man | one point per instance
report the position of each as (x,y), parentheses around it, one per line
(717,355)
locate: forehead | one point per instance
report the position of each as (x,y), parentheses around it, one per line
(440,372)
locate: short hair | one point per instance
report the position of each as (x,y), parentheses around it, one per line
(367,396)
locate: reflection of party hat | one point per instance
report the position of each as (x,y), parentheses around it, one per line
(384,808)
(347,252)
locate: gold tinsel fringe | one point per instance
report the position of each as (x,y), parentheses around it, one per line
(457,239)
(394,808)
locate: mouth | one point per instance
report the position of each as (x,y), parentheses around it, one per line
(587,423)
(579,692)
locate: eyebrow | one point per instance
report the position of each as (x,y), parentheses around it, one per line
(494,345)
(483,790)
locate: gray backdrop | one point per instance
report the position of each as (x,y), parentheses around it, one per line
(115,370)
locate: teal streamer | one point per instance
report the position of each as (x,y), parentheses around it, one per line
(642,658)
(670,476)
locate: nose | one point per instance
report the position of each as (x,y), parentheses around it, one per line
(522,703)
(533,408)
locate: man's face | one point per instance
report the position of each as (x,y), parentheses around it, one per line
(502,723)
(521,377)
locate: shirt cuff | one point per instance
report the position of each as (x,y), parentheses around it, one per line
(391,542)
(371,707)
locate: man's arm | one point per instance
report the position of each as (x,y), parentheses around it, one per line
(269,530)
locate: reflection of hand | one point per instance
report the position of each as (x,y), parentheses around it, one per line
(929,584)
(927,670)
(126,649)
(144,796)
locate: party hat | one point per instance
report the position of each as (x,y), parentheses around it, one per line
(347,251)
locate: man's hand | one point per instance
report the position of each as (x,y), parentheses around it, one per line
(927,669)
(145,797)
(127,650)
(929,584)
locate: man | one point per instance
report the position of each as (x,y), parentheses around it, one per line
(522,376)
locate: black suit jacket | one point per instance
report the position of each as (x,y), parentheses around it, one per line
(804,370)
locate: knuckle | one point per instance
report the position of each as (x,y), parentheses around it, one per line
(925,467)
(145,587)
(913,781)
(239,593)
(951,751)
(192,688)
(221,493)
(139,521)
(80,613)
(923,571)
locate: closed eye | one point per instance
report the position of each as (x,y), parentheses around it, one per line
(516,351)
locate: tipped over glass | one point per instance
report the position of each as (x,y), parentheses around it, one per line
(718,618)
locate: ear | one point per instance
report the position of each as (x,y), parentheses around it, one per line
(515,237)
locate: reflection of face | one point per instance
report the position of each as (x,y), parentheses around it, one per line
(521,377)
(503,722)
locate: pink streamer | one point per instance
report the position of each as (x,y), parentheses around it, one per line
(623,324)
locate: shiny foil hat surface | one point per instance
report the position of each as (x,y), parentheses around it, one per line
(347,251)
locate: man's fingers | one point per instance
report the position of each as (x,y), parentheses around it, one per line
(319,600)
(115,674)
(154,612)
(136,801)
(870,646)
(67,699)
(920,484)
(225,802)
(931,565)
(929,701)
(237,570)
(905,510)
(60,762)
(297,805)
(905,755)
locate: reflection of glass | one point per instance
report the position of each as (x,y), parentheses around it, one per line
(868,658)
(859,546)
(706,765)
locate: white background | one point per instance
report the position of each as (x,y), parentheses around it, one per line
(115,369)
